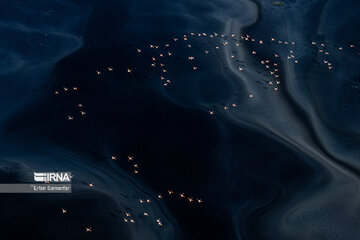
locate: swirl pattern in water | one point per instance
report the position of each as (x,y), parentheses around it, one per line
(219,119)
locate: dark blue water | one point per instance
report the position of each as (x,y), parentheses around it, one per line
(277,158)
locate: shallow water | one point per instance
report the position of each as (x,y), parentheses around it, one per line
(282,164)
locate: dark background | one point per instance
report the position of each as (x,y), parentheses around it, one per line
(282,167)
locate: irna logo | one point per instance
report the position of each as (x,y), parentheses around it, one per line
(52,177)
